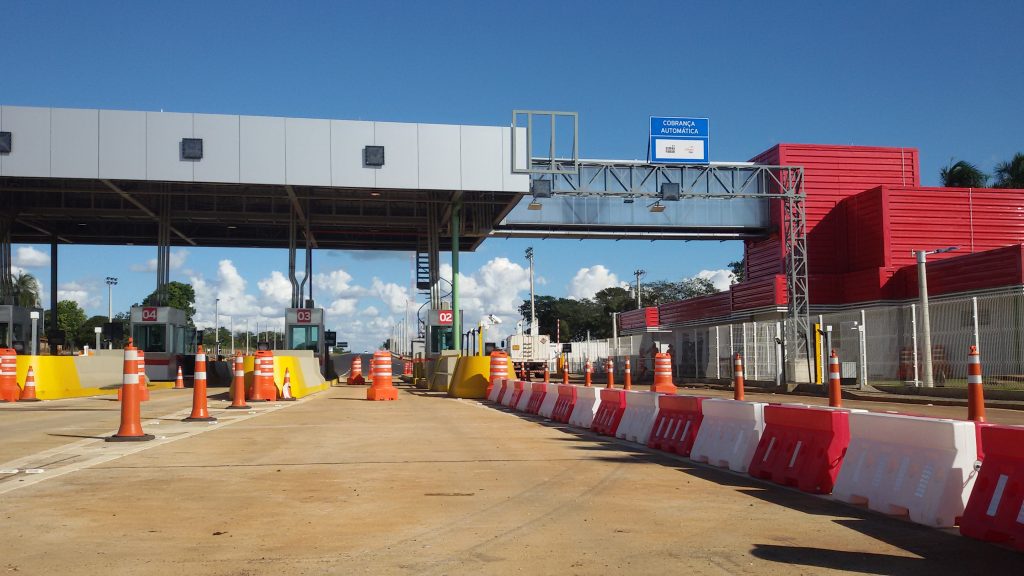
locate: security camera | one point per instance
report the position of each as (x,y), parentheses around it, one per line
(494,318)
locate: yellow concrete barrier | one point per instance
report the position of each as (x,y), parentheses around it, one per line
(76,376)
(470,377)
(303,367)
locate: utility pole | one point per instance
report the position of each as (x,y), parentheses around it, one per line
(922,288)
(639,273)
(533,306)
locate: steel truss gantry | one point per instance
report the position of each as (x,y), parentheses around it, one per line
(639,180)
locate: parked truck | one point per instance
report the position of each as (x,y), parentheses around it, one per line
(532,353)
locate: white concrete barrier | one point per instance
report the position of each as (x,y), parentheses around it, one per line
(524,398)
(922,468)
(729,433)
(587,402)
(639,416)
(550,398)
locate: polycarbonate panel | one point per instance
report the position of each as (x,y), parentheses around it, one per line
(74,143)
(308,151)
(30,141)
(348,137)
(164,131)
(401,158)
(220,148)
(439,161)
(481,158)
(122,145)
(262,150)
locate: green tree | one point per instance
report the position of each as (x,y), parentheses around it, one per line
(738,269)
(179,295)
(86,333)
(962,174)
(70,318)
(26,290)
(1010,174)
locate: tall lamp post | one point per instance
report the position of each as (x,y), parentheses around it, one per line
(111,282)
(926,328)
(216,327)
(639,273)
(533,308)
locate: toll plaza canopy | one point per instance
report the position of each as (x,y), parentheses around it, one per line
(110,176)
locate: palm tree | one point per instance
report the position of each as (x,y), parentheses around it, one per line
(1011,174)
(26,290)
(962,174)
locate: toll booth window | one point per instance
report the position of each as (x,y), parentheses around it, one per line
(440,339)
(151,338)
(4,327)
(305,338)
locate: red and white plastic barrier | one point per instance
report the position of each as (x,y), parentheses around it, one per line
(547,407)
(729,433)
(540,390)
(639,416)
(494,394)
(609,412)
(906,465)
(995,510)
(524,397)
(512,393)
(507,389)
(587,402)
(565,403)
(802,446)
(679,419)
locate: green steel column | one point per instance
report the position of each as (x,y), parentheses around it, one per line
(456,315)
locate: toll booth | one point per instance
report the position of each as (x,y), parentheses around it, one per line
(16,328)
(164,335)
(304,330)
(440,332)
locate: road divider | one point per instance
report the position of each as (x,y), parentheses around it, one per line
(995,509)
(679,420)
(638,417)
(587,402)
(729,433)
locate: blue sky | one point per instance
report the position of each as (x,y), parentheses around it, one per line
(943,77)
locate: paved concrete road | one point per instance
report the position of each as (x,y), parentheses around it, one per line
(333,484)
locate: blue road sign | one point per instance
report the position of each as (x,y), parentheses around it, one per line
(679,140)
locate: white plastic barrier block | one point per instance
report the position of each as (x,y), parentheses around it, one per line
(638,417)
(587,401)
(550,398)
(510,389)
(524,398)
(495,391)
(922,468)
(729,433)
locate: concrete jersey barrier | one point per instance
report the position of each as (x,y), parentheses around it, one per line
(922,468)
(547,407)
(729,433)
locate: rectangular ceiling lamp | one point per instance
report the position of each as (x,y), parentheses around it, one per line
(657,207)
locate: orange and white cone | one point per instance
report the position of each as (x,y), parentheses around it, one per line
(627,378)
(565,374)
(737,377)
(975,395)
(835,390)
(588,373)
(238,386)
(28,394)
(200,410)
(131,409)
(611,373)
(547,375)
(179,382)
(286,388)
(143,381)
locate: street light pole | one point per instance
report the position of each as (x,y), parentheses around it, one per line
(533,306)
(639,273)
(111,282)
(216,327)
(922,288)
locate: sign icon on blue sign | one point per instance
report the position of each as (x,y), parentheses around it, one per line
(677,140)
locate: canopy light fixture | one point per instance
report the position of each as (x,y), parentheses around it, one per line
(657,207)
(534,205)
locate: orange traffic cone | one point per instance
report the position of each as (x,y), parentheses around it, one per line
(547,375)
(975,396)
(200,411)
(737,377)
(179,382)
(355,374)
(9,390)
(131,410)
(627,379)
(143,381)
(286,388)
(237,386)
(565,375)
(663,374)
(611,373)
(381,387)
(588,371)
(29,393)
(835,390)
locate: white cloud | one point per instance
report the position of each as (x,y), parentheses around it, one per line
(497,288)
(393,295)
(370,311)
(722,279)
(337,283)
(29,257)
(85,295)
(276,288)
(590,281)
(178,258)
(342,307)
